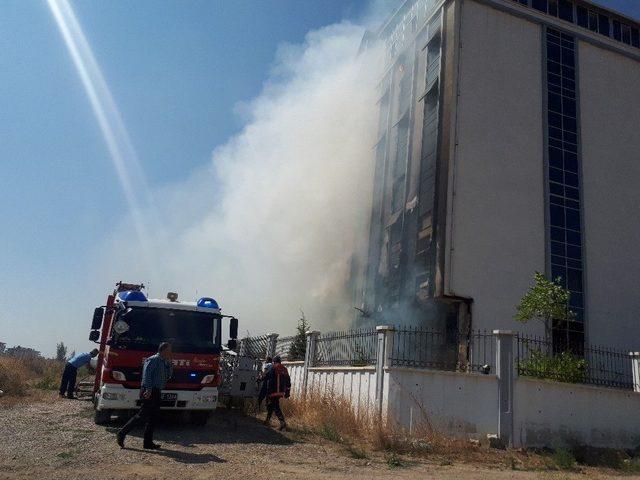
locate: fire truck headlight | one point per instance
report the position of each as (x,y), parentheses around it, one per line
(119,376)
(208,379)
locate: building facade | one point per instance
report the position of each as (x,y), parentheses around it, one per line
(508,143)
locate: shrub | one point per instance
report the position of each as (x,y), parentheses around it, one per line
(17,375)
(546,300)
(393,461)
(564,459)
(50,378)
(14,376)
(564,367)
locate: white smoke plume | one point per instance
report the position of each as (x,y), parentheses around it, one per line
(272,225)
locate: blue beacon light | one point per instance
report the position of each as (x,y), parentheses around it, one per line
(206,302)
(132,296)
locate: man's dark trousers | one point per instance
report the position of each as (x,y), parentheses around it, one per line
(147,414)
(273,406)
(68,383)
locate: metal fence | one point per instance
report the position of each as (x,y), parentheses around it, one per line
(593,365)
(423,348)
(353,348)
(283,347)
(256,347)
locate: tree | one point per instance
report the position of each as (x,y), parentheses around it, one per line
(298,347)
(546,300)
(61,352)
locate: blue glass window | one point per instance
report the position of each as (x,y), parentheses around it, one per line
(565,237)
(603,25)
(565,10)
(539,5)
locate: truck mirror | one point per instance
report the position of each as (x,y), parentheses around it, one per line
(96,322)
(233,328)
(94,336)
(232,344)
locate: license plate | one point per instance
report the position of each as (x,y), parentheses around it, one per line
(169,397)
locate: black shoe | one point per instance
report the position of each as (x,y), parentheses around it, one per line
(120,439)
(72,397)
(283,425)
(152,446)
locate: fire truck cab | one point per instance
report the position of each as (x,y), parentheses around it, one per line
(129,329)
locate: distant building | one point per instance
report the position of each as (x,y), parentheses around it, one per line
(507,143)
(2,347)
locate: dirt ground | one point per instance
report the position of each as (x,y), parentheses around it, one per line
(57,439)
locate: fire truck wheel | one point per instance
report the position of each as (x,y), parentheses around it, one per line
(199,418)
(101,417)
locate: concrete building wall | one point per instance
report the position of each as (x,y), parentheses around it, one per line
(610,134)
(497,209)
(296,372)
(553,414)
(354,383)
(449,402)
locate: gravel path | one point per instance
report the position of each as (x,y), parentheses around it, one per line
(58,440)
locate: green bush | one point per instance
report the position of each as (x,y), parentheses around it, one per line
(564,367)
(564,459)
(394,461)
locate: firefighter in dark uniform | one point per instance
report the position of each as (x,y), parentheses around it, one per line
(278,385)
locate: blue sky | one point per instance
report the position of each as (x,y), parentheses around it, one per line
(178,71)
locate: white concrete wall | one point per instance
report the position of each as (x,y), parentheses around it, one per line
(449,402)
(553,414)
(354,383)
(546,413)
(296,372)
(609,86)
(497,213)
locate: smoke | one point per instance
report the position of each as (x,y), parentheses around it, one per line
(273,224)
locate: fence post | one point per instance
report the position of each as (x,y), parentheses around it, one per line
(635,370)
(506,373)
(309,357)
(272,343)
(383,359)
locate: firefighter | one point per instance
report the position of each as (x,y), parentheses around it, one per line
(68,382)
(278,385)
(157,370)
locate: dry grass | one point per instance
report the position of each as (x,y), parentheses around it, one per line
(362,436)
(14,376)
(19,377)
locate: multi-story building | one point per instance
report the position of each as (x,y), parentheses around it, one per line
(508,143)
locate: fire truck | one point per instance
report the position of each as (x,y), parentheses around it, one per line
(129,329)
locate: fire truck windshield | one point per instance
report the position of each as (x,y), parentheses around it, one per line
(186,330)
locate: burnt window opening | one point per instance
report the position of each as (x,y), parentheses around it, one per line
(433,60)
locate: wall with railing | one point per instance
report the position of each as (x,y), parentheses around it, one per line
(523,390)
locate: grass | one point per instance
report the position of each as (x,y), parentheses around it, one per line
(333,418)
(394,461)
(18,376)
(328,431)
(356,452)
(360,436)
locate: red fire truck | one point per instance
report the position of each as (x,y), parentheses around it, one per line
(130,327)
